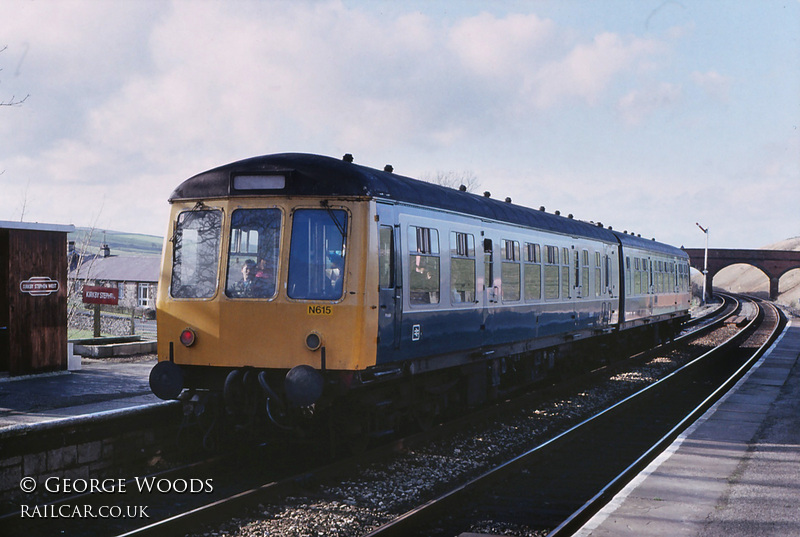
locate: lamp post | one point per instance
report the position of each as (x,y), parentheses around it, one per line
(705,262)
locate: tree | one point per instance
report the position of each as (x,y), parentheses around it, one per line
(13,101)
(453,179)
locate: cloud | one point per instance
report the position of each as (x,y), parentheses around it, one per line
(237,78)
(713,84)
(177,88)
(502,47)
(639,104)
(546,65)
(130,98)
(590,68)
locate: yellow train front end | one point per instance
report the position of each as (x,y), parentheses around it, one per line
(267,298)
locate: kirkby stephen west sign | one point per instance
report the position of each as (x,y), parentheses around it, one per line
(39,286)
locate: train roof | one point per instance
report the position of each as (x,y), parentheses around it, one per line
(634,241)
(315,175)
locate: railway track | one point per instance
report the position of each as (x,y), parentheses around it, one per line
(273,488)
(555,487)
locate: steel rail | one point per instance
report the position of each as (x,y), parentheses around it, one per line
(579,517)
(402,524)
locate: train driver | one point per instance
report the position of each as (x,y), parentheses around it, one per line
(250,286)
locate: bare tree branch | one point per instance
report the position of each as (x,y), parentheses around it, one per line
(453,179)
(13,101)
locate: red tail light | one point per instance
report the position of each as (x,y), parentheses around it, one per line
(188,337)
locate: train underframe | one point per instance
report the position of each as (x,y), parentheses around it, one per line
(355,408)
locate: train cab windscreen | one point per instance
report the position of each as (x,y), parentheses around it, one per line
(317,254)
(195,247)
(253,253)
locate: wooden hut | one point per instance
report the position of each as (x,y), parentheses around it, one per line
(33,299)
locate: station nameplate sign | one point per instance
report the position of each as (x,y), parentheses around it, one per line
(100,295)
(39,286)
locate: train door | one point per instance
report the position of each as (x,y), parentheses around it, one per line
(605,284)
(491,291)
(578,282)
(390,311)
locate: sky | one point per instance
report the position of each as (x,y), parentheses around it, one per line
(647,116)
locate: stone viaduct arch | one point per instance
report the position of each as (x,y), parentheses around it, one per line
(773,263)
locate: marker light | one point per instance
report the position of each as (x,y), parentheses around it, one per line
(188,337)
(313,341)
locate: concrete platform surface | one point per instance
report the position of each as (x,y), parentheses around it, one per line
(100,385)
(734,473)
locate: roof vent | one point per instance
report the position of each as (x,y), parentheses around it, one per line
(599,224)
(347,157)
(463,188)
(541,208)
(557,213)
(508,200)
(388,168)
(487,194)
(570,216)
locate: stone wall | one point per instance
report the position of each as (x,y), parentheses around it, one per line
(117,445)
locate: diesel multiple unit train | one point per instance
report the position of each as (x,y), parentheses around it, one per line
(299,286)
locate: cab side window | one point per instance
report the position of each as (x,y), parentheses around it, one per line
(386,257)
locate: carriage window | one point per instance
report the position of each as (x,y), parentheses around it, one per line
(565,273)
(532,253)
(598,280)
(423,248)
(628,283)
(585,273)
(195,254)
(658,276)
(533,272)
(551,270)
(510,271)
(317,254)
(462,268)
(253,253)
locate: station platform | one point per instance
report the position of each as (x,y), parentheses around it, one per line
(100,385)
(734,473)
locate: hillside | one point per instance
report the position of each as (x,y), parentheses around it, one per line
(121,243)
(747,279)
